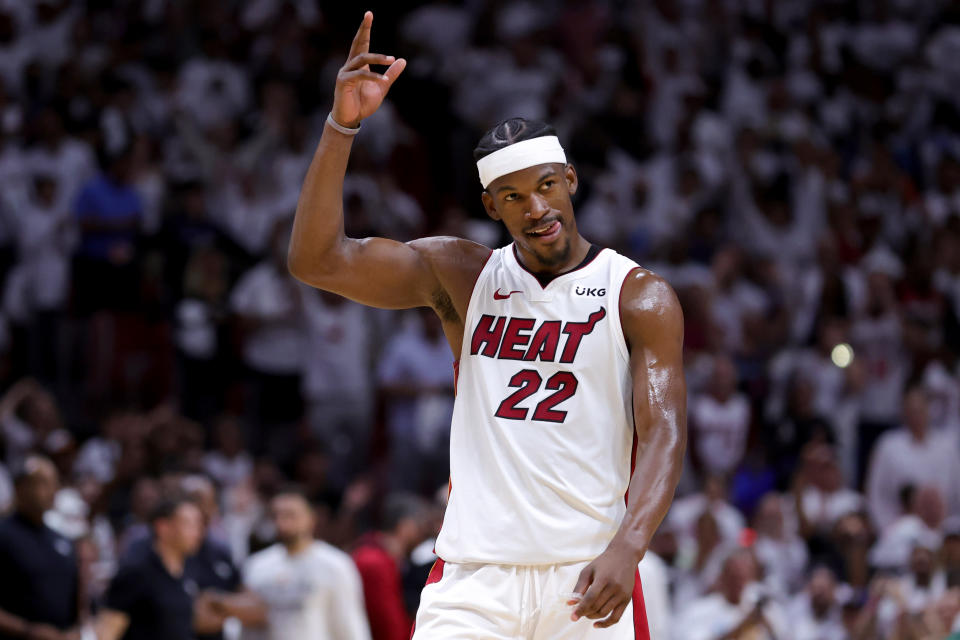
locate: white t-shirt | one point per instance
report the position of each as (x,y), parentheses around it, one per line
(278,343)
(899,459)
(711,616)
(721,430)
(806,626)
(823,509)
(315,594)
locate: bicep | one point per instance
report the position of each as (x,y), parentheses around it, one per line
(653,327)
(377,272)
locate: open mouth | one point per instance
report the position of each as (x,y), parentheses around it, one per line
(546,231)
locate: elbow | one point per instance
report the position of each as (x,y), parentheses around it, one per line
(296,265)
(312,267)
(307,269)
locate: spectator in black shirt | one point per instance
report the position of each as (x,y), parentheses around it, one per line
(151,596)
(38,567)
(210,569)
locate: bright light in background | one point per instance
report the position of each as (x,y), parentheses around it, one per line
(842,355)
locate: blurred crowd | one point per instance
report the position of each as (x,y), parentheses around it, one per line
(791,167)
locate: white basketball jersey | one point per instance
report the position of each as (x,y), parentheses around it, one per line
(542,433)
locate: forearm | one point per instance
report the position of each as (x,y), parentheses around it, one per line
(12,625)
(659,463)
(318,225)
(247,607)
(752,620)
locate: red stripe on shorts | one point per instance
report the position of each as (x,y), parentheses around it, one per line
(436,572)
(640,629)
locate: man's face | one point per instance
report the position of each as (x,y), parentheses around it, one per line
(183,530)
(292,518)
(739,571)
(822,587)
(535,206)
(915,411)
(35,494)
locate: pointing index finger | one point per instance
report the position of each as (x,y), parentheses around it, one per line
(361,41)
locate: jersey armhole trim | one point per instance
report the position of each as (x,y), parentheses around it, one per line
(466,319)
(623,346)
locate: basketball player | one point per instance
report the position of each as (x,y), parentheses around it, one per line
(569,364)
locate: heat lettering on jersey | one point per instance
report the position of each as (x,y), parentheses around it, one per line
(506,338)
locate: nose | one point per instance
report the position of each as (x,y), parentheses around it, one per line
(538,207)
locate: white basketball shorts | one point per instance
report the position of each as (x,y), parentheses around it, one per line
(509,602)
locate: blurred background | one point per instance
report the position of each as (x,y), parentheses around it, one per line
(791,167)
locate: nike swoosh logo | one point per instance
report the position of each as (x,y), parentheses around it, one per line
(503,296)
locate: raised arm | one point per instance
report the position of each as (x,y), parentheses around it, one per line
(374,271)
(653,326)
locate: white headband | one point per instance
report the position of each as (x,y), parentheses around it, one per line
(520,155)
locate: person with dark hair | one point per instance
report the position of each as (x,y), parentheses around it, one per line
(311,588)
(380,557)
(151,596)
(911,454)
(39,570)
(569,371)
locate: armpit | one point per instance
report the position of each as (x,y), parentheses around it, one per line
(443,305)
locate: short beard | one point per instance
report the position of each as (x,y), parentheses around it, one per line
(556,259)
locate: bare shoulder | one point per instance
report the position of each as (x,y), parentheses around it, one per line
(649,305)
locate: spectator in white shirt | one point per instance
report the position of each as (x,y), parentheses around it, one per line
(685,511)
(778,548)
(720,420)
(311,588)
(823,498)
(923,517)
(911,455)
(738,608)
(815,613)
(338,384)
(416,374)
(269,304)
(230,464)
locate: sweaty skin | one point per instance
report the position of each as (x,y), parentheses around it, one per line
(535,206)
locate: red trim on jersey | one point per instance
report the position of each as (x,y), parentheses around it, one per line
(436,572)
(640,629)
(620,307)
(456,375)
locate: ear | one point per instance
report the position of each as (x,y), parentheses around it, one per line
(570,174)
(489,205)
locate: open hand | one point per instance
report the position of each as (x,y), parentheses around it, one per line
(359,90)
(607,587)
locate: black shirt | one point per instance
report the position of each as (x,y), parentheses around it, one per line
(159,605)
(212,568)
(38,574)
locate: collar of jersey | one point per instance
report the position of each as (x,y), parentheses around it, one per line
(536,292)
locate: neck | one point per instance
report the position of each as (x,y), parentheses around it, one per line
(298,545)
(34,518)
(171,558)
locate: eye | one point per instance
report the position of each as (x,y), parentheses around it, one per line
(510,197)
(546,185)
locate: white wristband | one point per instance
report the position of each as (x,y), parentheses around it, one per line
(347,131)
